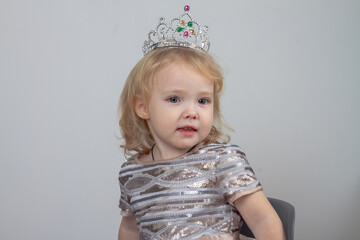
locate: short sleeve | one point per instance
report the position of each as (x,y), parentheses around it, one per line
(234,175)
(124,206)
(124,203)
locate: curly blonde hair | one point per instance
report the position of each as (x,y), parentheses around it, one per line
(134,129)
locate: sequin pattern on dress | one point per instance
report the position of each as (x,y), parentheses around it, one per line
(189,197)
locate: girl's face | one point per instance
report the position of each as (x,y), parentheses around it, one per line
(180,110)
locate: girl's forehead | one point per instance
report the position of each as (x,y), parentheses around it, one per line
(180,69)
(182,79)
(180,73)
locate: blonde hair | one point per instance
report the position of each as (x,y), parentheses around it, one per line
(134,129)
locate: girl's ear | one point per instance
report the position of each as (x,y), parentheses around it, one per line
(141,108)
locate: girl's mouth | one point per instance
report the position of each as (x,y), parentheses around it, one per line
(187,131)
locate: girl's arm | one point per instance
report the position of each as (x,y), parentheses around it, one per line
(128,229)
(260,216)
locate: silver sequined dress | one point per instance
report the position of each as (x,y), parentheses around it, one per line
(189,197)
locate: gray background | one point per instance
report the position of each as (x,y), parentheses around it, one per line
(292,96)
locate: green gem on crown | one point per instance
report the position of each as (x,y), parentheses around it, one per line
(190,24)
(179,29)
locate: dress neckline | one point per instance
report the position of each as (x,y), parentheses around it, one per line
(150,162)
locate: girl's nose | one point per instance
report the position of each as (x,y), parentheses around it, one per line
(191,115)
(190,111)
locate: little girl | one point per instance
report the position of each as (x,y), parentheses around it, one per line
(181,180)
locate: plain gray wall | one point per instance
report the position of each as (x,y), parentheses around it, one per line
(292,95)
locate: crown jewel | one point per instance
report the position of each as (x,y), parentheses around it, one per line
(182,31)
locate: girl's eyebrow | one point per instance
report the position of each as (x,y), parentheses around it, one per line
(206,92)
(179,91)
(174,91)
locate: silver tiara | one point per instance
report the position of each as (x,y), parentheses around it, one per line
(182,31)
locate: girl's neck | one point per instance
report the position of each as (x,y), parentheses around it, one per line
(147,159)
(158,155)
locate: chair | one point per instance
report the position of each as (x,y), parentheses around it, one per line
(286,212)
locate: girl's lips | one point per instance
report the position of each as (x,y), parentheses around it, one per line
(187,130)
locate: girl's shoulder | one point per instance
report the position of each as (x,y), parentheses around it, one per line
(129,161)
(222,148)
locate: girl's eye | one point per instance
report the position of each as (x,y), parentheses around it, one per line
(174,100)
(203,101)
